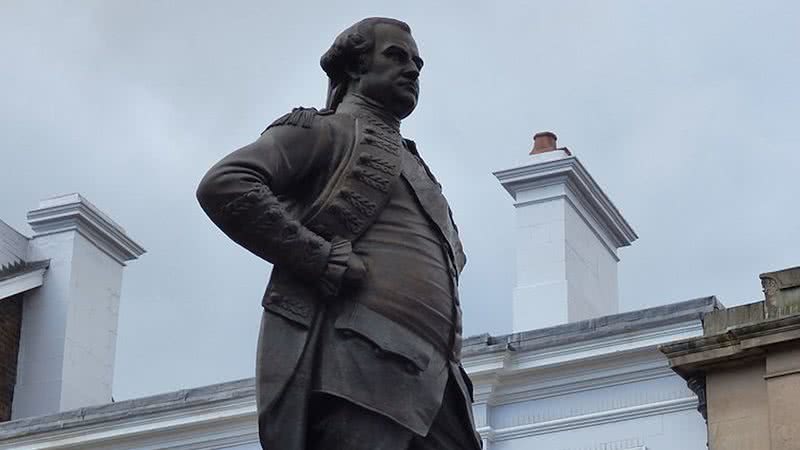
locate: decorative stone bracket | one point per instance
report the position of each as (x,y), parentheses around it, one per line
(697,383)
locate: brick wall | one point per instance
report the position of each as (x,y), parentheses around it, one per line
(10,322)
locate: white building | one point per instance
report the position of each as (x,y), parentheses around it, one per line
(581,376)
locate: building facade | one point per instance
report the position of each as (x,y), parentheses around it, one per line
(599,384)
(746,369)
(578,375)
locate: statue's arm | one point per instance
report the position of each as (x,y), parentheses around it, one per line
(240,195)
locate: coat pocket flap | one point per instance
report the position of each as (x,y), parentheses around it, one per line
(289,298)
(386,334)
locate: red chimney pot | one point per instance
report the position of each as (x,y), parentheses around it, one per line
(545,141)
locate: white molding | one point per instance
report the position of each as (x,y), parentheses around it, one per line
(196,428)
(486,433)
(22,283)
(483,390)
(233,423)
(571,172)
(487,363)
(616,445)
(621,359)
(506,362)
(599,348)
(522,390)
(506,377)
(588,420)
(72,212)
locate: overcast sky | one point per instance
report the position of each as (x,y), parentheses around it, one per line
(686,113)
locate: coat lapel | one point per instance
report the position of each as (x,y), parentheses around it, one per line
(429,194)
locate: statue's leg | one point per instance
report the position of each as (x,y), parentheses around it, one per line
(282,422)
(451,429)
(337,424)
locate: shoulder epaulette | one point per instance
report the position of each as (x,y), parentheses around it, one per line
(298,117)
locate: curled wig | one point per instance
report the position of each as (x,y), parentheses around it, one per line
(350,50)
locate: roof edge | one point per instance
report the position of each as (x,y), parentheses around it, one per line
(585,330)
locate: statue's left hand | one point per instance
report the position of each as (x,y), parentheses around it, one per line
(356,271)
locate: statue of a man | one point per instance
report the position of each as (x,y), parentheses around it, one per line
(360,339)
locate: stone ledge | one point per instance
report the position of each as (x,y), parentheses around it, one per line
(781,292)
(737,343)
(570,171)
(72,212)
(202,397)
(587,330)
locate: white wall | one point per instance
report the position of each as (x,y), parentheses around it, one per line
(591,269)
(42,338)
(91,333)
(565,272)
(69,328)
(540,294)
(605,386)
(657,413)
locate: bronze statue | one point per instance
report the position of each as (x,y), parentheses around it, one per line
(360,338)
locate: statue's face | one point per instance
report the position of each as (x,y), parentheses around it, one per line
(392,78)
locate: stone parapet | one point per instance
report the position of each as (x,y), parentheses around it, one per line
(746,369)
(782,292)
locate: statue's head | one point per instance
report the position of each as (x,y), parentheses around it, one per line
(376,58)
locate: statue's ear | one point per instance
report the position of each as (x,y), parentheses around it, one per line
(353,72)
(357,67)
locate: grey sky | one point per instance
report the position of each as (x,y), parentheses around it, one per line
(685,112)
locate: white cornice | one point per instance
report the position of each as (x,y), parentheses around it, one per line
(198,428)
(571,172)
(598,348)
(22,283)
(741,342)
(504,376)
(482,392)
(566,382)
(487,363)
(72,212)
(505,362)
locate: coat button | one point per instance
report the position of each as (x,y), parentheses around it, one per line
(411,368)
(347,333)
(378,352)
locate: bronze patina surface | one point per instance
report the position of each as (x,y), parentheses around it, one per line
(360,338)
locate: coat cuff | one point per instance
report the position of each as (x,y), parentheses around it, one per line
(341,249)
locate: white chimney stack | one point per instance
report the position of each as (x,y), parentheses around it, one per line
(69,324)
(567,236)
